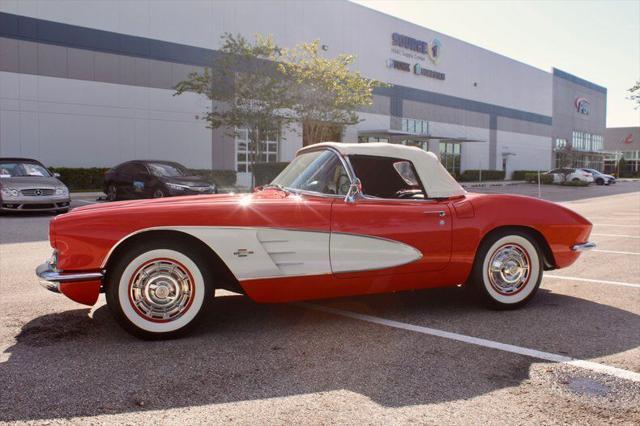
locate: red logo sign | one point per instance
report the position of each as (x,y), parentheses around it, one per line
(628,139)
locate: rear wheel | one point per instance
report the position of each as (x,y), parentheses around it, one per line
(507,271)
(159,290)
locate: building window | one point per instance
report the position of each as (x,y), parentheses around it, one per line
(597,143)
(560,144)
(366,139)
(450,154)
(267,152)
(582,141)
(414,126)
(577,141)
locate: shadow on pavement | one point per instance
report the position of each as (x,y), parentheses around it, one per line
(68,364)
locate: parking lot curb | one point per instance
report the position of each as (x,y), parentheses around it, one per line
(491,183)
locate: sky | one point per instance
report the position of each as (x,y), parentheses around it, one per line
(595,40)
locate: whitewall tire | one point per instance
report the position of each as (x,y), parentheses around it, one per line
(159,290)
(508,270)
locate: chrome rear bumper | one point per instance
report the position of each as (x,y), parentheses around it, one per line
(51,279)
(583,246)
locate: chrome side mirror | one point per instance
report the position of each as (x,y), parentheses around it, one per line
(355,191)
(56,175)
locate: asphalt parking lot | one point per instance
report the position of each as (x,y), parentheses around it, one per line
(570,357)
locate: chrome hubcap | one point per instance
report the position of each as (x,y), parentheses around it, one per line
(509,269)
(161,290)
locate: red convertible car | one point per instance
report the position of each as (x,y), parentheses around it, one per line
(340,220)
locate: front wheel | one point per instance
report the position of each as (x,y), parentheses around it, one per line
(507,270)
(159,290)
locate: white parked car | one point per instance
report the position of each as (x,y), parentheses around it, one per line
(601,178)
(570,175)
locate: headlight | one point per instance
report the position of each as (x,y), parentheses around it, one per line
(9,192)
(62,190)
(176,187)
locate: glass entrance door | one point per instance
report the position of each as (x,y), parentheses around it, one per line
(450,153)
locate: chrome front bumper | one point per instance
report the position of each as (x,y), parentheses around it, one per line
(51,279)
(583,246)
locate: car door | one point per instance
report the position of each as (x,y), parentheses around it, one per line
(385,231)
(373,235)
(122,180)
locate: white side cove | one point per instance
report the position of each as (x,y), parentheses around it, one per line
(360,253)
(254,253)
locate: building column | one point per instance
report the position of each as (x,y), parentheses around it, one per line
(493,141)
(434,146)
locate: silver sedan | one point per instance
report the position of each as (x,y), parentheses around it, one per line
(27,185)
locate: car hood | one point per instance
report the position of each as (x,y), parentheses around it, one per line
(186,180)
(23,182)
(184,201)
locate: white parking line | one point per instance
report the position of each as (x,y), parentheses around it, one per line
(615,252)
(86,201)
(547,356)
(616,235)
(589,280)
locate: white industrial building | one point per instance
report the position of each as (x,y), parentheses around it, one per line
(89,83)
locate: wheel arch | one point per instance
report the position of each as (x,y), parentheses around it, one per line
(541,241)
(225,278)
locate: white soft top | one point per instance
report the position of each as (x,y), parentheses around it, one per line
(436,179)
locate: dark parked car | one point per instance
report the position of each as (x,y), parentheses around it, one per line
(153,179)
(601,178)
(27,185)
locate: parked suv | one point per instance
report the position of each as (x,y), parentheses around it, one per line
(153,179)
(570,175)
(27,185)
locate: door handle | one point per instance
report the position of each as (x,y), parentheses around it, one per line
(439,213)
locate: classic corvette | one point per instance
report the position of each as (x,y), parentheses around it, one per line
(340,220)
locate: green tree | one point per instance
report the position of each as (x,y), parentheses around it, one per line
(261,87)
(327,92)
(246,89)
(635,94)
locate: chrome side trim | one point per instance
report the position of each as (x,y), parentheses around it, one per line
(583,246)
(53,278)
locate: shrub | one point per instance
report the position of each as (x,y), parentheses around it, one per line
(474,175)
(265,172)
(219,177)
(520,174)
(575,183)
(533,178)
(77,178)
(92,178)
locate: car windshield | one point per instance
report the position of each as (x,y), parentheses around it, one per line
(316,171)
(21,169)
(166,170)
